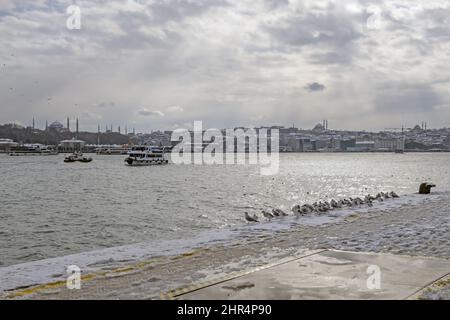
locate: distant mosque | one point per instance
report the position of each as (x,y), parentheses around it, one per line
(58,126)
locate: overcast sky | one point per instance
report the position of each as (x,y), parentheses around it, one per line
(163,64)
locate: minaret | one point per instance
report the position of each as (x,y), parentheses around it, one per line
(119,129)
(46,125)
(33,122)
(77,129)
(126,130)
(98,130)
(68,124)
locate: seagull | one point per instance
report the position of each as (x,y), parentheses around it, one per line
(320,207)
(393,194)
(275,213)
(251,219)
(296,209)
(327,205)
(306,210)
(301,210)
(334,204)
(279,213)
(267,215)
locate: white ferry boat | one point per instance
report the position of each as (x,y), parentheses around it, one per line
(146,156)
(33,150)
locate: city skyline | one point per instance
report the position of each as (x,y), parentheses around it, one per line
(70,123)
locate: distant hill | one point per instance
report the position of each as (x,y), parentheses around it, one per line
(54,137)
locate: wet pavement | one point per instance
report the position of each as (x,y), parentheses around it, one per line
(326,274)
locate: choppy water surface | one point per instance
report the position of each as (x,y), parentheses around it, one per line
(49,208)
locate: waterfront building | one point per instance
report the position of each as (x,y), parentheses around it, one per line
(71,145)
(321,144)
(389,144)
(361,146)
(348,143)
(7,144)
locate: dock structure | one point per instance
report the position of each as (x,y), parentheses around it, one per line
(326,274)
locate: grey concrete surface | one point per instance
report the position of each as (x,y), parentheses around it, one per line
(330,274)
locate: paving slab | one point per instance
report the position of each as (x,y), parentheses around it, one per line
(329,274)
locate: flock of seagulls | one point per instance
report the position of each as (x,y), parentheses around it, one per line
(323,206)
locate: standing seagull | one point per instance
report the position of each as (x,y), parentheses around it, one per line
(393,194)
(297,210)
(251,219)
(267,215)
(279,213)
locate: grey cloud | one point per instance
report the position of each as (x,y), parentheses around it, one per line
(150,113)
(273,4)
(175,109)
(103,105)
(315,86)
(332,57)
(165,11)
(333,27)
(407,98)
(330,35)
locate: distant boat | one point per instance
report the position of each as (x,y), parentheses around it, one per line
(112,150)
(399,151)
(146,156)
(77,156)
(33,150)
